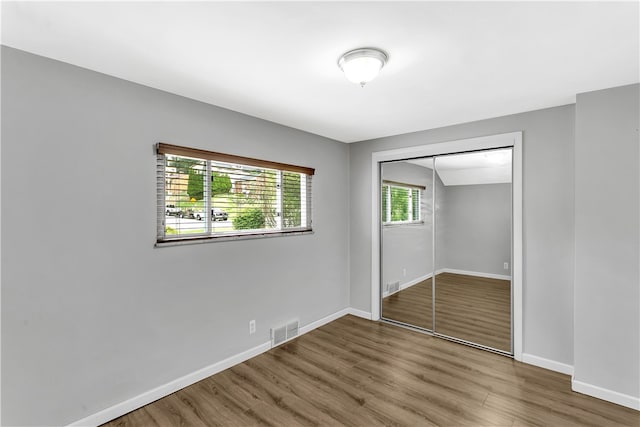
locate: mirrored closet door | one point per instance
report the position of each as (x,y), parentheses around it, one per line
(407,242)
(473,248)
(446,246)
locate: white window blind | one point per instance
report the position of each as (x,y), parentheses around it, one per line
(207,195)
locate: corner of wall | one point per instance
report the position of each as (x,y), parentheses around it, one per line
(349,210)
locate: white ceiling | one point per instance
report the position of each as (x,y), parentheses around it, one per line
(450,62)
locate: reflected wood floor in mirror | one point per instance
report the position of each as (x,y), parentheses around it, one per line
(411,305)
(476,309)
(354,372)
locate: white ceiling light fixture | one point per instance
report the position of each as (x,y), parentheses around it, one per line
(362,65)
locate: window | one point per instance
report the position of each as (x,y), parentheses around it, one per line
(208,195)
(400,203)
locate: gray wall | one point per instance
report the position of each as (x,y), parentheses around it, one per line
(477,228)
(441,225)
(548,137)
(607,246)
(408,246)
(92,314)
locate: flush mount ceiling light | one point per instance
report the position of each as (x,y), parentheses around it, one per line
(362,65)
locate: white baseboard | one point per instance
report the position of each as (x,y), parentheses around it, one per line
(360,313)
(475,273)
(415,281)
(552,365)
(604,394)
(330,318)
(408,284)
(159,392)
(579,386)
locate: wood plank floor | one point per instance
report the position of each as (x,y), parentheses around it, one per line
(354,372)
(471,308)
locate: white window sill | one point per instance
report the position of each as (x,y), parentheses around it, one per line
(402,224)
(180,241)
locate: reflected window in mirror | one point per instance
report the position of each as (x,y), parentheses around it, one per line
(401,203)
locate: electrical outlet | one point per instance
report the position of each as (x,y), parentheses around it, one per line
(404,272)
(252,327)
(506,265)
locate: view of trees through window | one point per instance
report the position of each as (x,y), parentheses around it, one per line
(211,197)
(400,204)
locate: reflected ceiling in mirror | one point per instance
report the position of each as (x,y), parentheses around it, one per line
(479,167)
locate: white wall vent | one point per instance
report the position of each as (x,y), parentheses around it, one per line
(394,287)
(292,329)
(278,335)
(284,333)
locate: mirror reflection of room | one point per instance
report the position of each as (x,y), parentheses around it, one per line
(470,252)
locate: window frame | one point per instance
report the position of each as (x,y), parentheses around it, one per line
(208,157)
(410,188)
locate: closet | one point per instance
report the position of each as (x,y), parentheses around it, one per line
(446,246)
